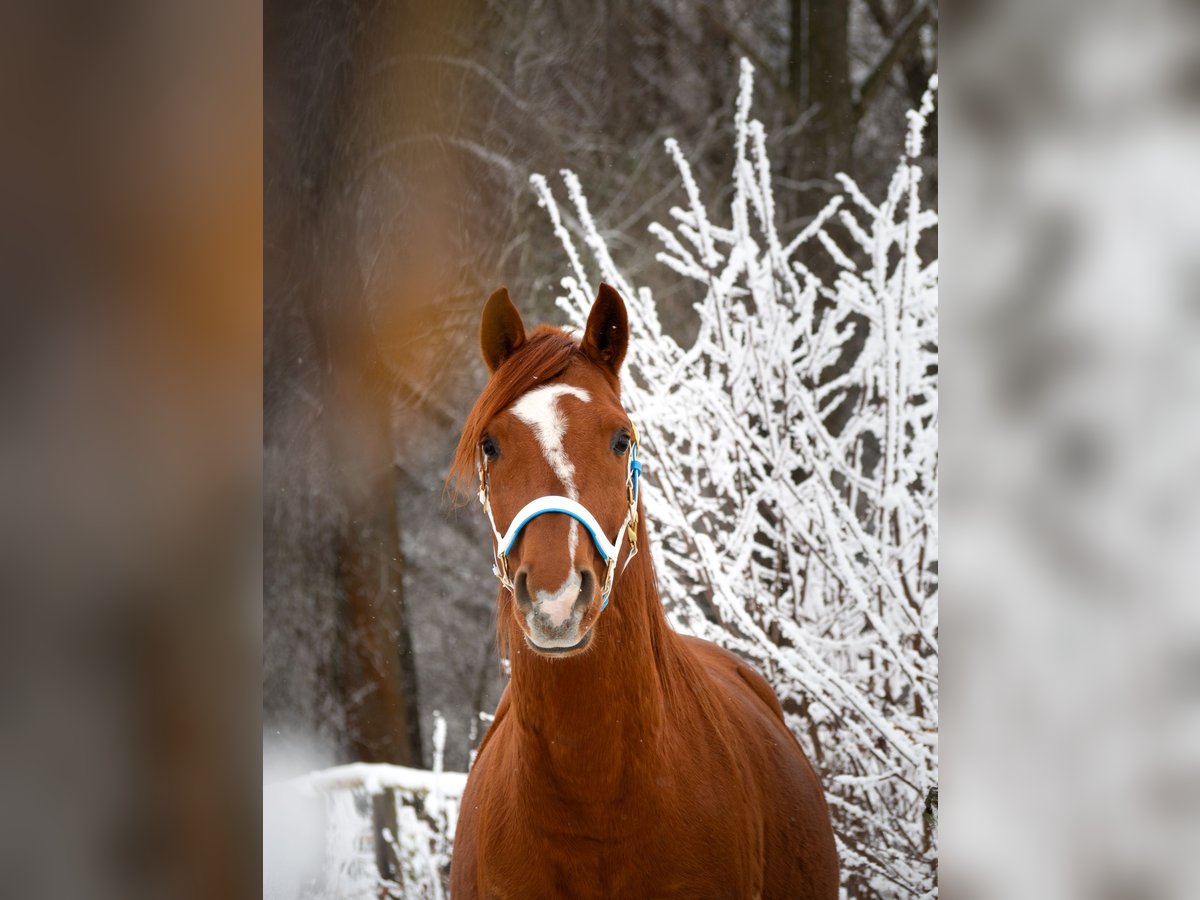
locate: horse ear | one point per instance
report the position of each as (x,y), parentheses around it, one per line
(501,330)
(607,334)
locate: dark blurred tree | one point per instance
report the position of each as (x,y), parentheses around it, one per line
(316,309)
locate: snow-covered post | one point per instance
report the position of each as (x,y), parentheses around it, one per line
(439,741)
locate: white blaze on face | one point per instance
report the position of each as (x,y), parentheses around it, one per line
(539,410)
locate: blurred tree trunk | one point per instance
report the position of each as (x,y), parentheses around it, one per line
(378,668)
(316,54)
(819,79)
(379,678)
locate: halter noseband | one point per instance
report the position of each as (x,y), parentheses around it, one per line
(553,503)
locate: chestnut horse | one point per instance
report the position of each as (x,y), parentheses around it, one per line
(625,760)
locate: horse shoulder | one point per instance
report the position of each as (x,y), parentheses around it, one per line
(801,857)
(725,662)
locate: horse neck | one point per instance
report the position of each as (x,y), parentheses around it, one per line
(591,712)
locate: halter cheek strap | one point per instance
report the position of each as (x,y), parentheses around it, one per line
(553,503)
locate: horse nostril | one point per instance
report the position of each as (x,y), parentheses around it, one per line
(524,601)
(587,586)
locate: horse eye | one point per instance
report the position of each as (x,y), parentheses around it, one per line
(491,450)
(620,442)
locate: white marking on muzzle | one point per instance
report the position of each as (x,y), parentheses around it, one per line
(539,410)
(557,605)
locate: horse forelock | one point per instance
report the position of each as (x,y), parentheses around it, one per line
(545,355)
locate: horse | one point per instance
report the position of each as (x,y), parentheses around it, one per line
(625,759)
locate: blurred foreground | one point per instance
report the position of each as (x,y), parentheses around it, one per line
(130,342)
(1071,514)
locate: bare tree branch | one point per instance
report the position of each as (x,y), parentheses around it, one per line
(901,42)
(881,16)
(755,57)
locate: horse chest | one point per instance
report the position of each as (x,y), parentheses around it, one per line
(647,844)
(653,865)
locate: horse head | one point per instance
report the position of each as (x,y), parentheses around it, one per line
(555,455)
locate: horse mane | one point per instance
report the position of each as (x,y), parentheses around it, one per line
(545,355)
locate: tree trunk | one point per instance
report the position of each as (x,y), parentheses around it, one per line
(379,676)
(819,77)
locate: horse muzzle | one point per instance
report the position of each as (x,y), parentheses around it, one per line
(554,618)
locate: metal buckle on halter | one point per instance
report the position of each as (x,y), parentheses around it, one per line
(500,570)
(633,485)
(610,570)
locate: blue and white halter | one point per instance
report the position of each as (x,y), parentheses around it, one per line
(554,503)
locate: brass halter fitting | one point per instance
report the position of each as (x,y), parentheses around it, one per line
(500,567)
(631,491)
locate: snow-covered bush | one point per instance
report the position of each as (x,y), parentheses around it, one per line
(792,455)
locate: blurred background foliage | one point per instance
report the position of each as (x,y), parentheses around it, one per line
(398,143)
